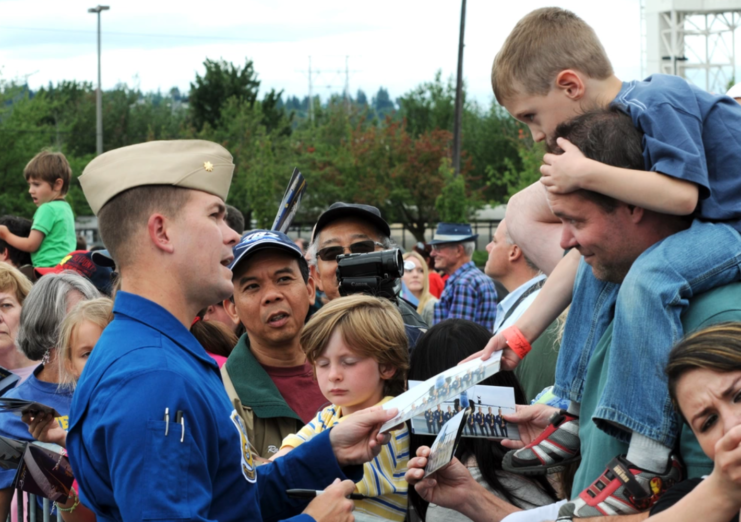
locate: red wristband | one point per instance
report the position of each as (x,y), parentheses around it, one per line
(516,341)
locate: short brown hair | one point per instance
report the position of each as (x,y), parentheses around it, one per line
(128,212)
(13,281)
(370,326)
(542,44)
(49,166)
(608,136)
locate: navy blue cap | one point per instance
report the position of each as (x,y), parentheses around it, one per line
(453,233)
(256,240)
(339,210)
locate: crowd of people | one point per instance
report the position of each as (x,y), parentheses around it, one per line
(199,371)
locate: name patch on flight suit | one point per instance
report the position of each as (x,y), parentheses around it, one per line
(248,464)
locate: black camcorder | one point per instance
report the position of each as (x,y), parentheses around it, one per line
(374,273)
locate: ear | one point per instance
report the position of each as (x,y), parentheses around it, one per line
(571,83)
(231,310)
(57,185)
(209,311)
(315,276)
(159,233)
(635,213)
(515,253)
(4,255)
(387,371)
(311,288)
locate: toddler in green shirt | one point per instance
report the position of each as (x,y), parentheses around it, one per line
(53,231)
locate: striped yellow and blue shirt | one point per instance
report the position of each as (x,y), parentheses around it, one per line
(383,477)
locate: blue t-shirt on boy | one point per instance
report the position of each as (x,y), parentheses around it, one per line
(693,135)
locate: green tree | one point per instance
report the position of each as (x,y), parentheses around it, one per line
(452,204)
(221,81)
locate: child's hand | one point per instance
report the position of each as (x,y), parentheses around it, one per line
(564,173)
(4,232)
(45,428)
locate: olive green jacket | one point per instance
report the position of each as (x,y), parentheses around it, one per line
(265,413)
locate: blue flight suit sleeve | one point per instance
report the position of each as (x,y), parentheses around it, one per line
(311,465)
(156,476)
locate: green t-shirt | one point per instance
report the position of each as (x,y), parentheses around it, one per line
(716,306)
(57,222)
(538,370)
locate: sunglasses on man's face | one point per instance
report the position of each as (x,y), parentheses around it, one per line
(361,247)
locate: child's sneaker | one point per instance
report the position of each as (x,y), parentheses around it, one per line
(623,489)
(555,448)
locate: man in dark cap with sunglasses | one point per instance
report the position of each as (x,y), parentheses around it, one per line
(349,228)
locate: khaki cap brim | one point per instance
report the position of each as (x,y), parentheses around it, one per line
(193,164)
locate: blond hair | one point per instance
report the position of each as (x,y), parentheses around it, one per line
(542,44)
(98,311)
(370,326)
(13,281)
(49,167)
(425,296)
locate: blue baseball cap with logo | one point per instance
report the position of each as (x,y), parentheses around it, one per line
(257,240)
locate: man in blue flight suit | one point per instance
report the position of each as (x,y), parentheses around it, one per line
(430,423)
(447,415)
(480,422)
(501,423)
(153,434)
(438,417)
(489,420)
(471,422)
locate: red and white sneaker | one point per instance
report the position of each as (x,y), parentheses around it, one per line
(623,489)
(556,447)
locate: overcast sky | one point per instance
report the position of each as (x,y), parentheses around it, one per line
(158,44)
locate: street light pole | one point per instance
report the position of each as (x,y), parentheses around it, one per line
(459,96)
(99,94)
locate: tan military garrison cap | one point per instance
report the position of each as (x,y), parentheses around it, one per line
(194,164)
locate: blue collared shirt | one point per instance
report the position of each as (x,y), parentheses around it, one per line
(468,294)
(511,298)
(132,464)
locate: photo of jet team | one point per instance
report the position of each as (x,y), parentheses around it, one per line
(487,404)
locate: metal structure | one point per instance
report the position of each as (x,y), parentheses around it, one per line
(694,39)
(99,95)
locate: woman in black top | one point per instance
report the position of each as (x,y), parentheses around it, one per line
(704,372)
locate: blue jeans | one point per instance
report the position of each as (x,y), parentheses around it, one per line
(647,309)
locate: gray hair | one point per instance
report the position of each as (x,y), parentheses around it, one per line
(44,310)
(314,247)
(468,247)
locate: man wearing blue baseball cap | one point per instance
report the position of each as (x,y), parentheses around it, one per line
(267,376)
(468,293)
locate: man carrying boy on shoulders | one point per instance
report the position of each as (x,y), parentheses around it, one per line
(550,69)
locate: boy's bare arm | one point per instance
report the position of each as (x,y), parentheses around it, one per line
(570,171)
(28,244)
(533,227)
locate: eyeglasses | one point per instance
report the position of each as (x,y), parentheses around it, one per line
(361,247)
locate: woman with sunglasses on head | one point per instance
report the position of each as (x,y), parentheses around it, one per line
(416,287)
(704,372)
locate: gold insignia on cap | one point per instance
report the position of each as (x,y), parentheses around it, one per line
(208,166)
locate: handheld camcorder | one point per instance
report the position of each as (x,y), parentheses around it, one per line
(376,273)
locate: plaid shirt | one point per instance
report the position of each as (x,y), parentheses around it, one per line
(468,294)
